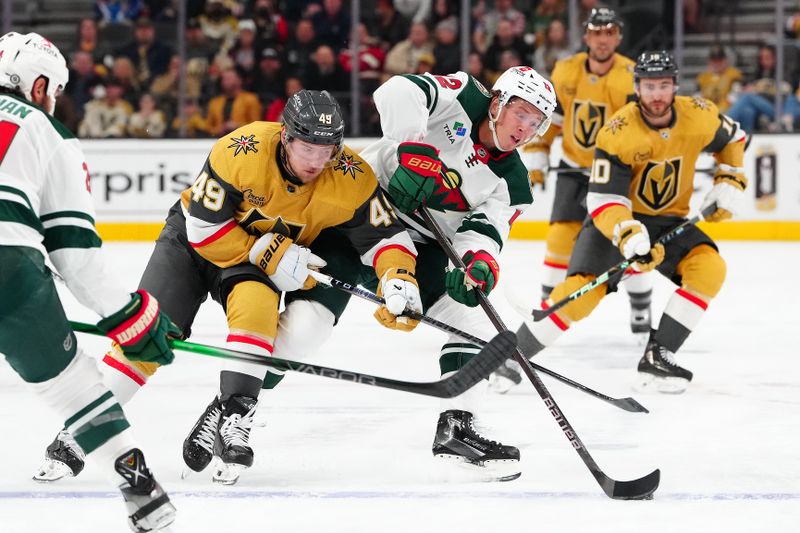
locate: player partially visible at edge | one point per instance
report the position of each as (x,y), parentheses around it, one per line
(46,210)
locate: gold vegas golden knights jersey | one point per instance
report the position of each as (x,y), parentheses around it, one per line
(650,171)
(240,195)
(585,102)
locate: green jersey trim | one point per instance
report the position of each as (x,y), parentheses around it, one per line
(59,237)
(474,101)
(67,214)
(11,211)
(427,87)
(511,169)
(62,130)
(478,223)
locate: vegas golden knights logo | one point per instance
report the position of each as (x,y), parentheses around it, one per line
(257,223)
(587,119)
(660,183)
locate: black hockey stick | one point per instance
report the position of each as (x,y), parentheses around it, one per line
(476,370)
(627,404)
(636,489)
(539,314)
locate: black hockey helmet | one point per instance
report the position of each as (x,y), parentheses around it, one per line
(655,64)
(602,17)
(314,117)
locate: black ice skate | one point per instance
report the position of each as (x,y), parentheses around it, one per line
(506,377)
(149,508)
(457,440)
(63,458)
(658,370)
(198,448)
(231,445)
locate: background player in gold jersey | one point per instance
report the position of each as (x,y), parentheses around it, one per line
(641,182)
(591,86)
(271,202)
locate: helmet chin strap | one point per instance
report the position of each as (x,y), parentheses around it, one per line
(492,120)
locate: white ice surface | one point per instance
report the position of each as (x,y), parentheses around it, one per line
(339,457)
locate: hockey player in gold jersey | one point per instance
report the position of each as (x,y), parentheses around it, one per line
(272,202)
(641,182)
(591,86)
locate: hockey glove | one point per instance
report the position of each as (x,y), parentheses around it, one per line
(142,330)
(482,273)
(286,263)
(728,195)
(399,289)
(414,180)
(538,165)
(633,241)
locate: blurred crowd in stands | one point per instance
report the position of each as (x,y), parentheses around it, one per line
(245,58)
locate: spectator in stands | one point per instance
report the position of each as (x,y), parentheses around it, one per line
(82,80)
(107,114)
(488,21)
(505,39)
(325,73)
(403,57)
(546,11)
(245,53)
(117,11)
(446,50)
(192,117)
(218,24)
(301,47)
(444,9)
(150,57)
(165,87)
(270,77)
(425,63)
(272,29)
(756,99)
(476,69)
(274,111)
(717,81)
(87,41)
(390,26)
(414,10)
(554,48)
(233,108)
(148,122)
(123,73)
(332,24)
(370,60)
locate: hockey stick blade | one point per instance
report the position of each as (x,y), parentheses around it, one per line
(483,364)
(635,489)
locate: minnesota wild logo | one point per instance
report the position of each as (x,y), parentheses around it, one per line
(348,165)
(448,196)
(243,144)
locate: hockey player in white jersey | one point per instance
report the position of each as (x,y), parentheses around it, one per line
(450,144)
(46,211)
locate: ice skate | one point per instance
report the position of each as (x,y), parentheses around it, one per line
(198,448)
(231,445)
(149,508)
(63,458)
(456,440)
(659,372)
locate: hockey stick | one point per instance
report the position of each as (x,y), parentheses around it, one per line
(539,314)
(627,404)
(637,489)
(476,370)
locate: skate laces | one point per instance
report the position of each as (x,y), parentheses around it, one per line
(208,431)
(69,441)
(666,355)
(475,431)
(235,431)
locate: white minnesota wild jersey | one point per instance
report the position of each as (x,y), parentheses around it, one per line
(479,193)
(45,201)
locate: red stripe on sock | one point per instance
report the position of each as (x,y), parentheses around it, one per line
(554,317)
(554,265)
(694,299)
(125,369)
(247,339)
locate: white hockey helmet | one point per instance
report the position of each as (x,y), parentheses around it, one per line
(23,58)
(524,82)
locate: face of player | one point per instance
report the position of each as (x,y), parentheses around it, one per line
(517,124)
(602,42)
(656,96)
(306,160)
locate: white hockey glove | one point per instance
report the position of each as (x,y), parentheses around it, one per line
(538,166)
(728,198)
(633,240)
(399,289)
(286,263)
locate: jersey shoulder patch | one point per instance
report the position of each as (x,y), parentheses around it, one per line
(244,151)
(612,136)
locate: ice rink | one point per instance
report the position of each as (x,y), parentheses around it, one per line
(339,457)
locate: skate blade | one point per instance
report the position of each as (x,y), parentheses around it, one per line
(52,470)
(227,474)
(663,385)
(457,469)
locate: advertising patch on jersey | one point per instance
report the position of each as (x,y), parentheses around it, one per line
(243,144)
(616,124)
(348,165)
(254,199)
(660,183)
(587,119)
